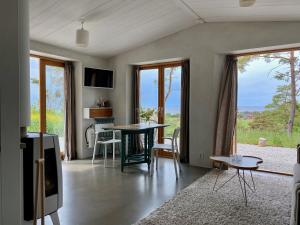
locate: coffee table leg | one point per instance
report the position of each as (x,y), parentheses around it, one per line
(243,178)
(239,176)
(245,187)
(221,165)
(226,182)
(253,181)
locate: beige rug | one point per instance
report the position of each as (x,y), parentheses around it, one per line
(198,204)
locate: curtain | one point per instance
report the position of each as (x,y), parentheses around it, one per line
(227,109)
(185,112)
(70,119)
(136,139)
(136,95)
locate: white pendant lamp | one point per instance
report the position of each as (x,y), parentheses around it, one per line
(82,36)
(247,3)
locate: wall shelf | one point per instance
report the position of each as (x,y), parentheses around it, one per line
(95,113)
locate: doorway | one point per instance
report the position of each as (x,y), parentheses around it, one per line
(268,122)
(160,96)
(47,97)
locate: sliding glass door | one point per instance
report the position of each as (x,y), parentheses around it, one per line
(35,94)
(172,99)
(160,94)
(149,93)
(47,97)
(55,102)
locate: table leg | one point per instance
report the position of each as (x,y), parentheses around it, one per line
(146,136)
(245,190)
(253,181)
(239,175)
(226,182)
(247,183)
(123,150)
(220,167)
(150,145)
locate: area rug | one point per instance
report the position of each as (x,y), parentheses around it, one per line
(198,204)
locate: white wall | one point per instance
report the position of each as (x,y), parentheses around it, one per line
(85,97)
(12,41)
(205,45)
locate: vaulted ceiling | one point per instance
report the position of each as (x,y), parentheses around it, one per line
(116,26)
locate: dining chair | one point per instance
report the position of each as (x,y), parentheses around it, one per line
(173,148)
(105,142)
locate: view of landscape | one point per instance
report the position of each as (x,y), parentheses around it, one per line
(268,109)
(54,99)
(172,92)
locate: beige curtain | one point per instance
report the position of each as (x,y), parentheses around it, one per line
(137,145)
(70,119)
(185,112)
(227,109)
(136,95)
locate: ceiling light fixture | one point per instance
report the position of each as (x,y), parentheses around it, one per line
(247,3)
(82,36)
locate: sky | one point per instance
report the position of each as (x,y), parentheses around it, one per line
(257,85)
(149,90)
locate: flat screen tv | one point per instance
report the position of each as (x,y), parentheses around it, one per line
(98,78)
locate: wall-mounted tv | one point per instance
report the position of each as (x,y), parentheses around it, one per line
(98,78)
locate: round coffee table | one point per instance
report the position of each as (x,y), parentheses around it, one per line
(246,163)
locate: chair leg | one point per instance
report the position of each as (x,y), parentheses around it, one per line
(114,148)
(105,155)
(95,148)
(152,162)
(156,154)
(175,166)
(178,161)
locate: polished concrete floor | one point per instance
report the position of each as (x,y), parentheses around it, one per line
(95,195)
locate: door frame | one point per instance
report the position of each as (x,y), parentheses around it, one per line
(43,62)
(161,94)
(258,53)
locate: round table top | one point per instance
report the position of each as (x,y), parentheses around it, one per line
(246,163)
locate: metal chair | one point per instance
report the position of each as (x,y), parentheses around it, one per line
(173,147)
(105,142)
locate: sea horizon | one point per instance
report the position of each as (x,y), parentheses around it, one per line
(251,108)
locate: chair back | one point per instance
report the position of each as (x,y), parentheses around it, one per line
(175,138)
(99,127)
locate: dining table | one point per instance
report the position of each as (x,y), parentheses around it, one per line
(130,135)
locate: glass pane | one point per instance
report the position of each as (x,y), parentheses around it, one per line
(172,98)
(34,94)
(55,102)
(148,95)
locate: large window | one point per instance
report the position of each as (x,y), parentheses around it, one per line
(47,97)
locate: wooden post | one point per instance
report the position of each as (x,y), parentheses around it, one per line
(40,184)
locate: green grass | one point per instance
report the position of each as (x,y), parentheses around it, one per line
(55,122)
(245,135)
(174,121)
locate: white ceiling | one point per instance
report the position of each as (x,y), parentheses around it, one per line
(116,26)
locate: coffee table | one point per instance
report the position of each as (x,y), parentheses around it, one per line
(246,163)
